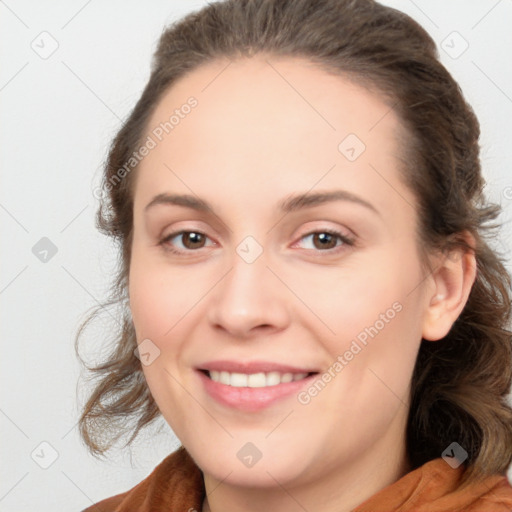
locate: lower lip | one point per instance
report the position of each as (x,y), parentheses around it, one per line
(251,399)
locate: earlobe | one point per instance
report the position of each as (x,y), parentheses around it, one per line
(453,278)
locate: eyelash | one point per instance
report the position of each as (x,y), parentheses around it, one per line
(346,241)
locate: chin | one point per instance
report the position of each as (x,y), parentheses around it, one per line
(235,467)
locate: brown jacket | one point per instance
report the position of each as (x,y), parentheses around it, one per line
(176,485)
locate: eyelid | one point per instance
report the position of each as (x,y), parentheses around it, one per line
(166,238)
(347,240)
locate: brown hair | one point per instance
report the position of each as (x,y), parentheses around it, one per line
(460,383)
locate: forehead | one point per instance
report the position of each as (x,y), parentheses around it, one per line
(273,122)
(274,94)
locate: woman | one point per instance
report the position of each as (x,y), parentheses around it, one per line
(312,306)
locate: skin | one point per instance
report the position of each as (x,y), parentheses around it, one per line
(265,129)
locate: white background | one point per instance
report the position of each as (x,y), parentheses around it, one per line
(58,117)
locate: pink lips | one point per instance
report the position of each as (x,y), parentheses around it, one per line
(253,367)
(246,398)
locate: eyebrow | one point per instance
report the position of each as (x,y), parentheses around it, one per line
(288,205)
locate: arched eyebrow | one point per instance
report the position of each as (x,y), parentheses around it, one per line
(290,204)
(308,200)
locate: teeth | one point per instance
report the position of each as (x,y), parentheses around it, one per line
(254,380)
(273,379)
(238,380)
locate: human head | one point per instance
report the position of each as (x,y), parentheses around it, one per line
(385,51)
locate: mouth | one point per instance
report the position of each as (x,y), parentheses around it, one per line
(255,380)
(252,390)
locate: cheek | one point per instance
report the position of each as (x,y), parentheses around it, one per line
(386,339)
(338,303)
(159,302)
(160,297)
(370,325)
(361,294)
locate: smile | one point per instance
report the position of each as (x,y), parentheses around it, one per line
(252,392)
(254,380)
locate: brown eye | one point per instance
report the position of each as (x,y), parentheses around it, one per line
(326,240)
(192,240)
(184,241)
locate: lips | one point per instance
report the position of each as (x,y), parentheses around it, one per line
(252,367)
(252,386)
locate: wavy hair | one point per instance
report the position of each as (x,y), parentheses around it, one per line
(460,383)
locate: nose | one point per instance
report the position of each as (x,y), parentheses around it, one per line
(249,301)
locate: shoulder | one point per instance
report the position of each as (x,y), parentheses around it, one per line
(175,484)
(492,492)
(443,490)
(437,487)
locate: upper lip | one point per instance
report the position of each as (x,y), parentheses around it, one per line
(250,367)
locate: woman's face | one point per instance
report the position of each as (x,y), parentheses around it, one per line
(269,283)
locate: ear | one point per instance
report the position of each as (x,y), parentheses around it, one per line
(453,276)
